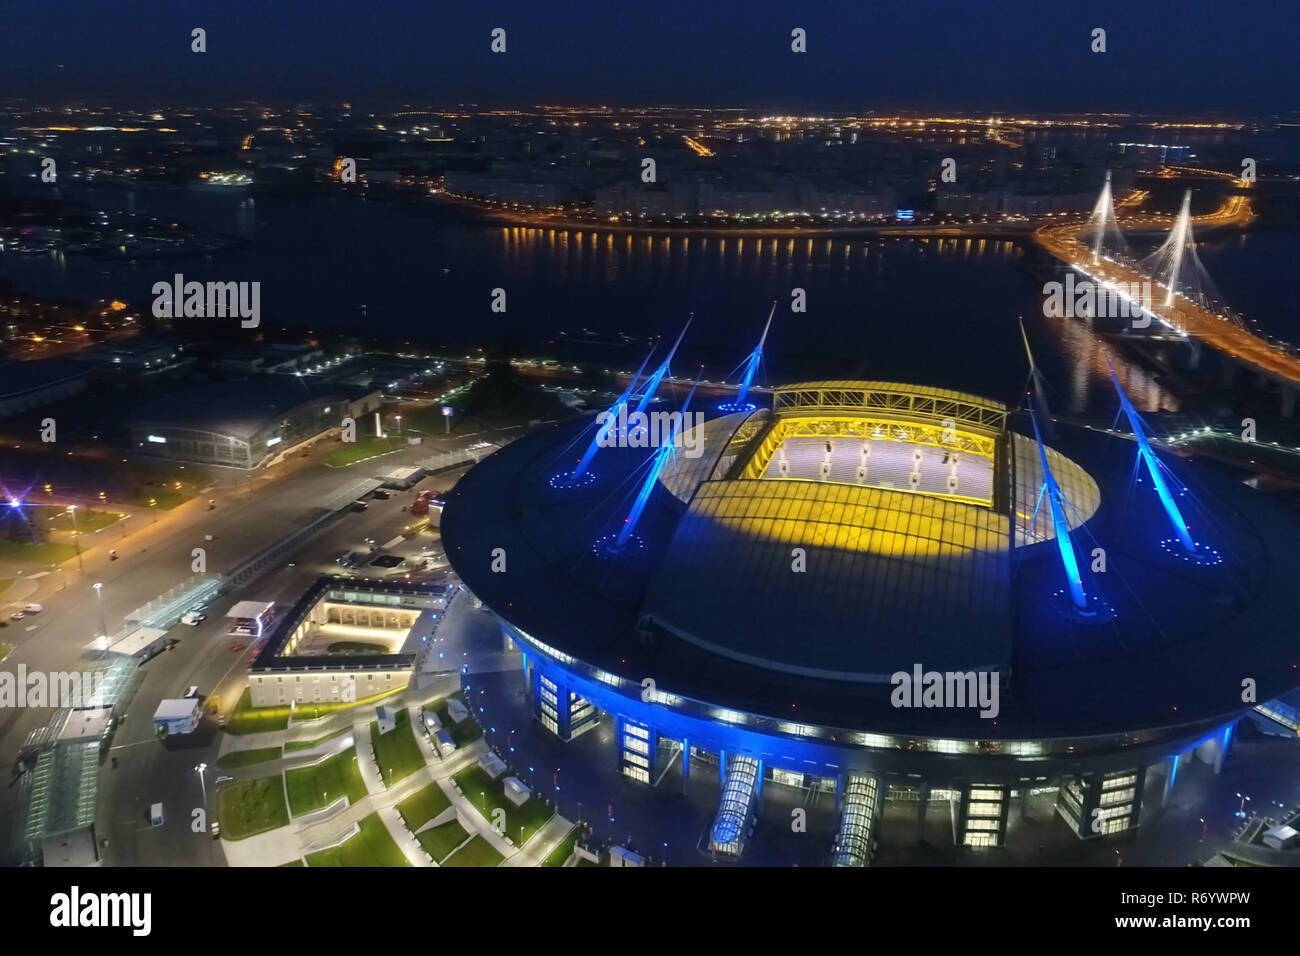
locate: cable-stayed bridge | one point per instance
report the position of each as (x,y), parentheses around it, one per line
(1182,299)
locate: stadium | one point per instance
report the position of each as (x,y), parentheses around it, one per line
(874,587)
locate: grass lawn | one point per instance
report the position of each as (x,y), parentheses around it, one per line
(296,745)
(293,863)
(366,446)
(488,795)
(373,846)
(466,732)
(440,840)
(46,552)
(315,787)
(316,711)
(251,807)
(160,499)
(244,758)
(422,806)
(4,584)
(88,520)
(564,850)
(397,752)
(477,852)
(5,650)
(248,719)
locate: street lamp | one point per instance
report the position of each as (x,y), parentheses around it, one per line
(99,601)
(76,539)
(200,770)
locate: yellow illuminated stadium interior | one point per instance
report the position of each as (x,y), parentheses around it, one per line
(877,468)
(954,438)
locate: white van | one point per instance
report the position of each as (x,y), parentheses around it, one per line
(156,815)
(33,608)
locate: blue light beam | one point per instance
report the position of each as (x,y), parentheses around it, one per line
(661,457)
(1059,524)
(1153,467)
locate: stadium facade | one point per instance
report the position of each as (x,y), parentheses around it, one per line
(875,588)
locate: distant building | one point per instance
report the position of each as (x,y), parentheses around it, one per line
(240,424)
(146,355)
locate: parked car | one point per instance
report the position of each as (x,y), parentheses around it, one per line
(17,616)
(224,778)
(193,618)
(33,608)
(381,494)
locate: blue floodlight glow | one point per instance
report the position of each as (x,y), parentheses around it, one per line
(580,476)
(1060,526)
(653,385)
(626,534)
(751,366)
(1153,468)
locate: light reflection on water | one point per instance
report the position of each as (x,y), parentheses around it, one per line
(931,311)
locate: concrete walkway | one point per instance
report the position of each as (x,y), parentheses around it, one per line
(326,827)
(366,761)
(542,843)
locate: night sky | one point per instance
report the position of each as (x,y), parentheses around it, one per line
(1163,55)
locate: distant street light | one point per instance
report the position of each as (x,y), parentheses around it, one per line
(76,539)
(99,601)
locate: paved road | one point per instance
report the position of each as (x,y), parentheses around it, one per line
(154,558)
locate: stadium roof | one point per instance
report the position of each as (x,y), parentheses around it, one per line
(711,607)
(885,574)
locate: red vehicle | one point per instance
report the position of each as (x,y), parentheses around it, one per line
(420,506)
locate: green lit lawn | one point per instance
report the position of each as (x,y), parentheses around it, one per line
(296,745)
(315,787)
(248,719)
(5,650)
(488,795)
(255,720)
(397,752)
(251,807)
(88,521)
(422,806)
(477,852)
(317,711)
(46,552)
(440,840)
(562,852)
(160,499)
(373,846)
(244,758)
(466,732)
(369,446)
